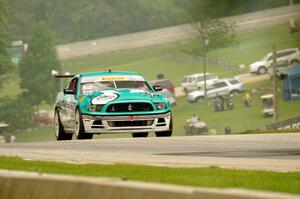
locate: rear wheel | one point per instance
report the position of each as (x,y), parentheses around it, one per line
(166,133)
(295,62)
(262,70)
(139,135)
(79,128)
(199,99)
(234,92)
(60,134)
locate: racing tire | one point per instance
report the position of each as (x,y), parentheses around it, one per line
(262,70)
(60,134)
(139,135)
(295,61)
(166,133)
(79,128)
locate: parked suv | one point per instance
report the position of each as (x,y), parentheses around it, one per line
(196,81)
(221,87)
(290,56)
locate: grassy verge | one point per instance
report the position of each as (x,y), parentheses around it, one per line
(203,177)
(253,46)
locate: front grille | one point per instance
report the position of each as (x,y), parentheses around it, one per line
(130,123)
(129,107)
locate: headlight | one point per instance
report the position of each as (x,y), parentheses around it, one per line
(94,108)
(160,106)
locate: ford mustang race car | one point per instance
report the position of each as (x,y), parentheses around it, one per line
(111,102)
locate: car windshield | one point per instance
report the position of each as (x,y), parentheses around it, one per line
(265,58)
(166,93)
(90,87)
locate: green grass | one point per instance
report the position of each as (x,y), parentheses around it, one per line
(288,182)
(239,119)
(253,46)
(37,134)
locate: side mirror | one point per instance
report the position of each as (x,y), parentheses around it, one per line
(69,91)
(157,88)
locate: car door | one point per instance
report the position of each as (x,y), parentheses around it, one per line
(70,103)
(220,88)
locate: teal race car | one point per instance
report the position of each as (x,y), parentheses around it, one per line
(111,102)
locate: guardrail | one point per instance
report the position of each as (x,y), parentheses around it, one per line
(21,185)
(292,123)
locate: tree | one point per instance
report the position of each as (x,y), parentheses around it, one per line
(35,67)
(16,112)
(213,33)
(5,62)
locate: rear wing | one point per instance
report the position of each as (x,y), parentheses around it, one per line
(63,76)
(57,74)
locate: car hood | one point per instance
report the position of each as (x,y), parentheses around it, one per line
(127,94)
(257,64)
(196,93)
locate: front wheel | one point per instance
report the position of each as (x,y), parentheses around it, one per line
(79,128)
(262,70)
(60,134)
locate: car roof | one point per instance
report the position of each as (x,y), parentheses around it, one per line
(288,49)
(196,74)
(109,74)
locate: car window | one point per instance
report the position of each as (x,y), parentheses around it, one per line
(200,78)
(191,79)
(185,79)
(234,81)
(73,84)
(133,84)
(220,85)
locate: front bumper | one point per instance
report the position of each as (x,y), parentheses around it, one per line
(126,123)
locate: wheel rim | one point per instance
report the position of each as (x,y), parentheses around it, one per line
(56,124)
(77,124)
(262,70)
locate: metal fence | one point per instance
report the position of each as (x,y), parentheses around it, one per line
(293,123)
(182,58)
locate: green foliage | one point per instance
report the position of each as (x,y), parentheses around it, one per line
(35,67)
(201,177)
(16,112)
(204,15)
(80,20)
(4,58)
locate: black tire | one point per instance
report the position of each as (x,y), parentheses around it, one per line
(262,70)
(60,134)
(140,135)
(166,133)
(295,61)
(79,128)
(199,99)
(234,92)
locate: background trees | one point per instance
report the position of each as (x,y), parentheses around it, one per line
(4,58)
(35,67)
(80,20)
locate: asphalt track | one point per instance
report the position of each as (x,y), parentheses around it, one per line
(276,152)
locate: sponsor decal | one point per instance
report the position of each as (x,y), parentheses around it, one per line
(106,97)
(81,99)
(112,78)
